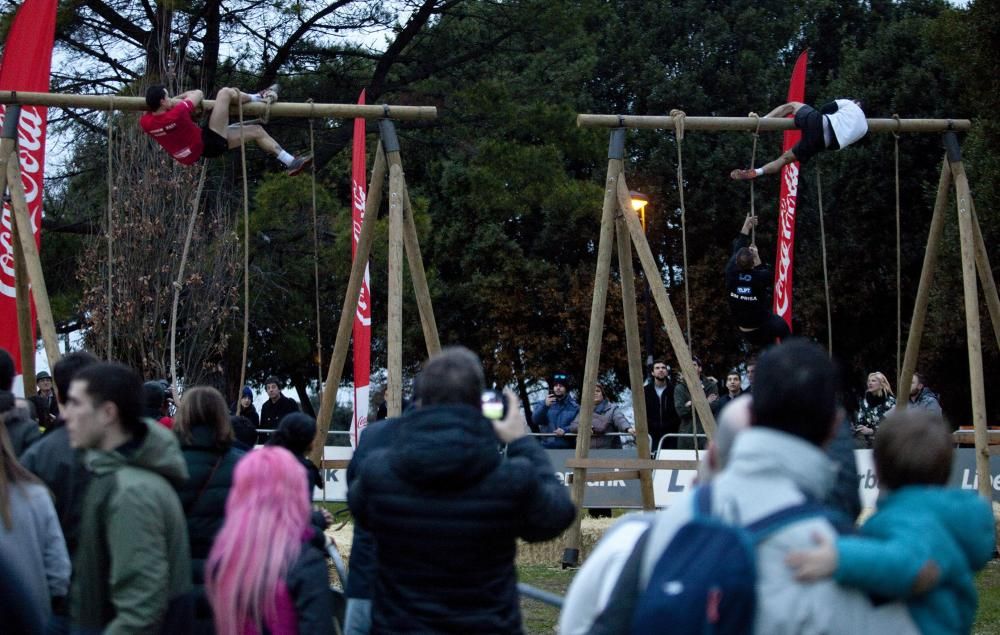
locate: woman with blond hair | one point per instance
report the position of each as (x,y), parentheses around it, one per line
(267,569)
(872,408)
(202,426)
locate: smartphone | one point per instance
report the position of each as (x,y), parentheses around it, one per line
(494,405)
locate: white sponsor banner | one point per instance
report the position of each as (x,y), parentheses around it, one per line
(335,481)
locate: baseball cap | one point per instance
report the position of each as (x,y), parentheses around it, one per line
(43,375)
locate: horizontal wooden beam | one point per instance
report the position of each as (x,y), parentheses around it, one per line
(335,464)
(631,464)
(252,109)
(719,124)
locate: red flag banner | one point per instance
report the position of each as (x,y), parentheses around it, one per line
(27,59)
(787,202)
(363,317)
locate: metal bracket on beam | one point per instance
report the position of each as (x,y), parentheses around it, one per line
(952,147)
(10,121)
(387,130)
(616,148)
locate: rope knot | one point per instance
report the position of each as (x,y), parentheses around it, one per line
(678,116)
(899,125)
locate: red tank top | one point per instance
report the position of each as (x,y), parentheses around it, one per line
(176,132)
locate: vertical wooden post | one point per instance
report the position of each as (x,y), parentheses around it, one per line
(674,333)
(924,288)
(616,152)
(419,277)
(339,355)
(26,238)
(986,274)
(972,327)
(22,292)
(394,365)
(631,316)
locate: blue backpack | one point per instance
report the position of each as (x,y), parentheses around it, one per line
(704,582)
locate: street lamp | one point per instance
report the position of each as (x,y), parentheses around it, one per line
(639,202)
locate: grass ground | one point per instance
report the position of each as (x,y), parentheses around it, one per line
(542,619)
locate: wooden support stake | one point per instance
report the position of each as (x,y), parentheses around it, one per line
(674,333)
(26,238)
(924,289)
(26,339)
(419,277)
(986,274)
(366,236)
(571,553)
(972,327)
(631,316)
(394,390)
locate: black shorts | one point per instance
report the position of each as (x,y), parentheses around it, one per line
(214,144)
(810,122)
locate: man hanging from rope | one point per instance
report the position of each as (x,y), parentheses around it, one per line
(169,122)
(834,126)
(749,283)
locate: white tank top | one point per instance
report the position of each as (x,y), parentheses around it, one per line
(848,123)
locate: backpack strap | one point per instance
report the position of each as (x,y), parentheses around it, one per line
(762,528)
(703,500)
(617,614)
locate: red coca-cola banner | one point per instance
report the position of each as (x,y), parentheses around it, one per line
(787,202)
(27,58)
(363,317)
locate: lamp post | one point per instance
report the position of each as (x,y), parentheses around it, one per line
(639,202)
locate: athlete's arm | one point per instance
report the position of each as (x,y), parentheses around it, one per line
(784,110)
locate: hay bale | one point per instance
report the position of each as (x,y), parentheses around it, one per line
(551,551)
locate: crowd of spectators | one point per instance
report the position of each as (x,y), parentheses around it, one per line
(132,513)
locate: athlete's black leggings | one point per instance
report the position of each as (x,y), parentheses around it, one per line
(773,328)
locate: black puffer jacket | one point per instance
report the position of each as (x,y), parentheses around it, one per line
(445,509)
(204,499)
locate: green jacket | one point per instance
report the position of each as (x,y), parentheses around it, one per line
(133,554)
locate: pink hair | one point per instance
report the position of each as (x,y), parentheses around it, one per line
(267,514)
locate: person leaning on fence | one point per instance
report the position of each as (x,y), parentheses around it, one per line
(607,418)
(556,413)
(834,126)
(445,508)
(685,409)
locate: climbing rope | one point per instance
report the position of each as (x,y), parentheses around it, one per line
(179,282)
(899,299)
(753,159)
(826,280)
(678,117)
(246,246)
(319,337)
(111,112)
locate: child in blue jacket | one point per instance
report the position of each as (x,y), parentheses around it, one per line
(925,542)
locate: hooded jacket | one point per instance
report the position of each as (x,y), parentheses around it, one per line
(133,556)
(768,471)
(445,509)
(952,527)
(608,418)
(926,400)
(560,414)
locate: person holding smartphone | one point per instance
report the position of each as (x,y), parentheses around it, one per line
(556,414)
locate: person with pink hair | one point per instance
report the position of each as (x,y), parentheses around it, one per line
(266,571)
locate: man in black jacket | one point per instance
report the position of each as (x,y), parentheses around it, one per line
(445,508)
(661,417)
(276,406)
(749,283)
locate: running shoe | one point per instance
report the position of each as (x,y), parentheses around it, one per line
(269,94)
(743,175)
(298,164)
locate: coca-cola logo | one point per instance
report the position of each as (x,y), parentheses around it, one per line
(786,241)
(358,200)
(31,155)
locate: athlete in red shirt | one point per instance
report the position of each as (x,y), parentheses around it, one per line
(169,121)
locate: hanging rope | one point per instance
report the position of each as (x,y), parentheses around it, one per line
(753,159)
(826,280)
(899,286)
(111,111)
(246,246)
(678,117)
(319,336)
(179,282)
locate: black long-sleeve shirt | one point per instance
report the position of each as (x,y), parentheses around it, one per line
(749,291)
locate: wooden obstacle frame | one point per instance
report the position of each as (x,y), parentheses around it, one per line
(402,230)
(619,219)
